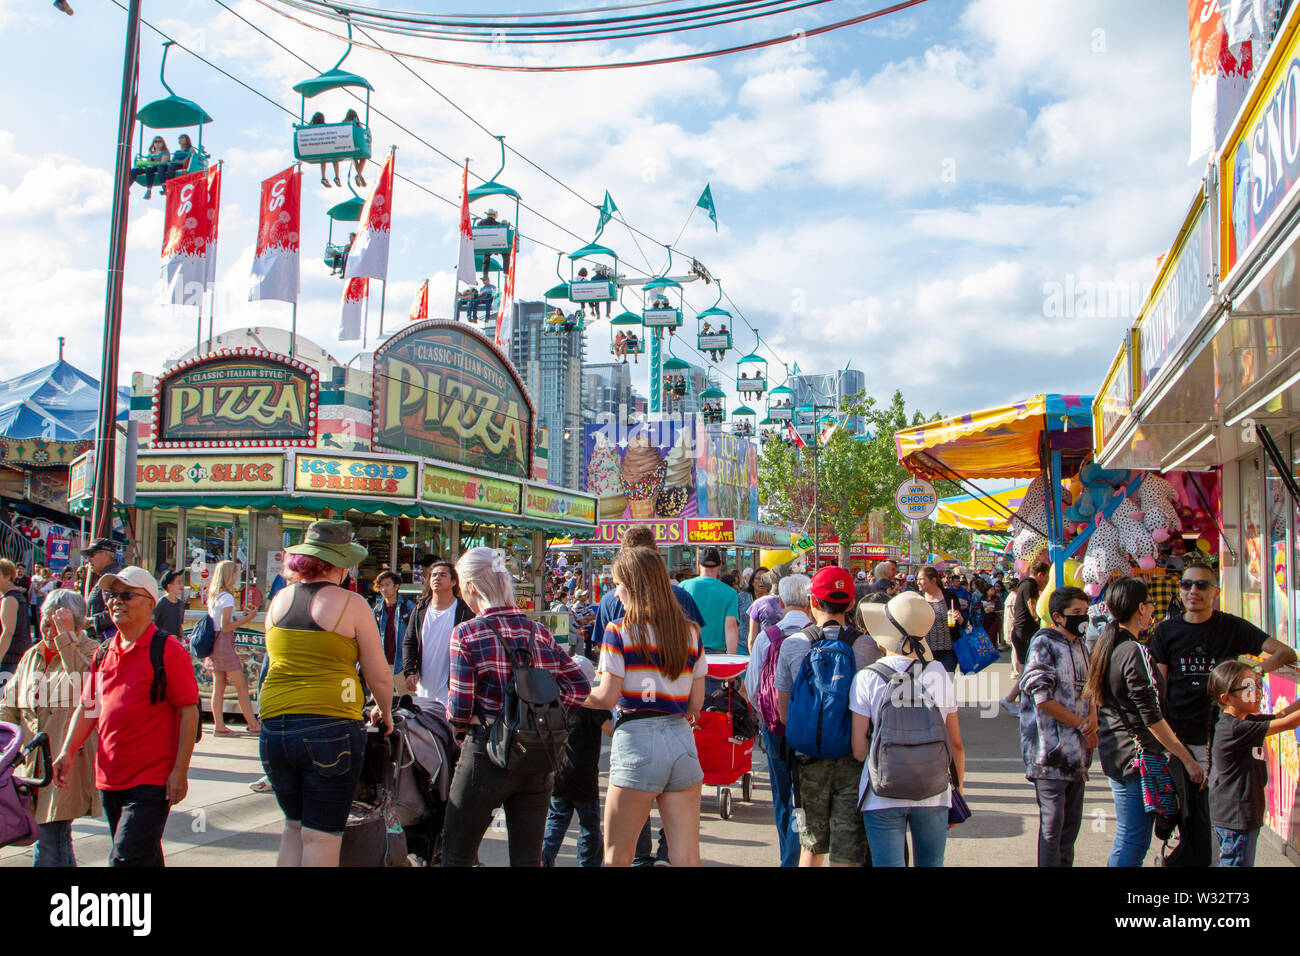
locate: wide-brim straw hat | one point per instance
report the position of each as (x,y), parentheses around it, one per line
(331,541)
(900,625)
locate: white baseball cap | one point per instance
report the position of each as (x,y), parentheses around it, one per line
(131,577)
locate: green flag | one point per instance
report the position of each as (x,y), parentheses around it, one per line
(794,369)
(706,203)
(607,210)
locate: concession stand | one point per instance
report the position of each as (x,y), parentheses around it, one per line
(426,449)
(1208,379)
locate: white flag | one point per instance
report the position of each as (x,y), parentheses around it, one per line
(506,318)
(1246,20)
(1220,75)
(369,253)
(465,267)
(356,298)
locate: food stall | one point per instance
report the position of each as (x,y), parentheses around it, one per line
(427,452)
(1206,380)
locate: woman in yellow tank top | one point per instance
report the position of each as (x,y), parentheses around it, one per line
(313,737)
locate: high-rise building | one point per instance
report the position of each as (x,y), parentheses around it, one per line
(827,389)
(550,363)
(607,388)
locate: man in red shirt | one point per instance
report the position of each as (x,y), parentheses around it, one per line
(143,758)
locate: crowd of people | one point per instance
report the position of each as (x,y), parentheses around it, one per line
(1158,694)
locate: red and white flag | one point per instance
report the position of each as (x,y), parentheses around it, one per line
(420,304)
(506,317)
(465,266)
(795,438)
(352,316)
(186,229)
(369,254)
(275,263)
(213,216)
(827,432)
(1220,75)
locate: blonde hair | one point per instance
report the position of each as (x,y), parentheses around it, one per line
(224,578)
(485,569)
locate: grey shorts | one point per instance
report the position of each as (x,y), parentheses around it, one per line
(655,755)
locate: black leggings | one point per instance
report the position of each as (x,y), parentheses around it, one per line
(477,789)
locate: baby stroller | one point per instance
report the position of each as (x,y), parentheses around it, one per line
(17,825)
(725,730)
(397,814)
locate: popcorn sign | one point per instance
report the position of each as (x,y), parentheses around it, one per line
(916,499)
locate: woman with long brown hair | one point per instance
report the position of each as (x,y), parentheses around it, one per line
(1123,684)
(652,667)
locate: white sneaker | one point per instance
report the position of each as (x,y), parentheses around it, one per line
(1010,708)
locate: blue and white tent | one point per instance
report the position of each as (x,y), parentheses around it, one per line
(57,403)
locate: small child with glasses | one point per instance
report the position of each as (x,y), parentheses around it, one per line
(1238,768)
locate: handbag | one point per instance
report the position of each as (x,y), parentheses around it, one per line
(958,810)
(1159,796)
(974,650)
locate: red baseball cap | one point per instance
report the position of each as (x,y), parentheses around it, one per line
(832,583)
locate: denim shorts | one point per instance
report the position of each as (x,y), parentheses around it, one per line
(314,765)
(655,755)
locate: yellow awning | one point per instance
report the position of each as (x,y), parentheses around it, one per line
(1001,442)
(978,514)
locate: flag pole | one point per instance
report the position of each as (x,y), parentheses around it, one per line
(106,430)
(383,293)
(686,223)
(293,321)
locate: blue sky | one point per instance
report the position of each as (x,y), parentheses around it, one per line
(904,194)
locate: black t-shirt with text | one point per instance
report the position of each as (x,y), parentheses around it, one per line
(1191,651)
(1239,772)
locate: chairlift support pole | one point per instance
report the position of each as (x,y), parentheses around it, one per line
(106,430)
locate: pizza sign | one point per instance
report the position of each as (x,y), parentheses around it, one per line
(441,390)
(236,398)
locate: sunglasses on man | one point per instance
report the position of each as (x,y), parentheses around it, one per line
(121,595)
(1186,584)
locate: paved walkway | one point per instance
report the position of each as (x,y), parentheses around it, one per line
(222,823)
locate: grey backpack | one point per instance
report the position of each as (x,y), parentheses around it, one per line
(909,756)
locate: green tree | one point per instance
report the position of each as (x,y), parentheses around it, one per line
(856,475)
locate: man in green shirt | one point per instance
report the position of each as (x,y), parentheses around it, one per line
(718,603)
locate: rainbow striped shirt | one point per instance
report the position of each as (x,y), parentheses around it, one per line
(645,686)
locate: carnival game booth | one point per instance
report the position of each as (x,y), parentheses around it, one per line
(1206,381)
(1046,438)
(425,453)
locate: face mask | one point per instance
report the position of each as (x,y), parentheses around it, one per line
(1076,624)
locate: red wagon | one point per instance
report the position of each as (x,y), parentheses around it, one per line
(725,758)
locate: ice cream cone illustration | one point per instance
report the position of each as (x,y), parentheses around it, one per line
(679,483)
(642,476)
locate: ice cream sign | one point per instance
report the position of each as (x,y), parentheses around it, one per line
(646,473)
(916,499)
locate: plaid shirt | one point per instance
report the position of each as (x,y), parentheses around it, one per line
(1162,591)
(480,666)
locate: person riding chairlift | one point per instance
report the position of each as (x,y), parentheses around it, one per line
(358,164)
(620,346)
(152,169)
(318,119)
(633,346)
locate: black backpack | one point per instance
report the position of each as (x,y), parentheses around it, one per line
(157,687)
(529,734)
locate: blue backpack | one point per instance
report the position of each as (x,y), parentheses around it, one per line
(818,723)
(203,639)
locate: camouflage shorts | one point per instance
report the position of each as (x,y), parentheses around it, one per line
(828,790)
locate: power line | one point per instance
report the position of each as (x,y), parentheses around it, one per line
(335,11)
(252,89)
(797,35)
(507,34)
